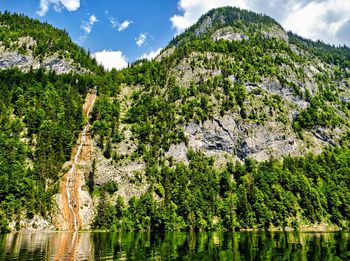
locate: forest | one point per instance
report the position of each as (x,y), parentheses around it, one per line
(48,40)
(41,117)
(290,192)
(275,194)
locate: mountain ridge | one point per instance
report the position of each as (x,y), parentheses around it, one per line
(237,126)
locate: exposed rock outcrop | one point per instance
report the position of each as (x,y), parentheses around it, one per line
(238,139)
(12,58)
(229,34)
(275,31)
(128,175)
(35,224)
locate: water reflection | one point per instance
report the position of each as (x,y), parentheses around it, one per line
(176,246)
(46,246)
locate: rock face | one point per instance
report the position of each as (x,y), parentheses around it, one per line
(287,93)
(204,26)
(178,152)
(275,31)
(187,73)
(238,139)
(60,66)
(229,34)
(10,59)
(35,224)
(128,175)
(235,137)
(14,59)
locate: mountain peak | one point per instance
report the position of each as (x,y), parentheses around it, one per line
(233,23)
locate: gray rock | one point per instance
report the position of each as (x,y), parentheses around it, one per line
(14,59)
(242,139)
(60,66)
(325,135)
(229,34)
(243,151)
(287,93)
(124,175)
(204,26)
(232,78)
(35,224)
(177,152)
(275,32)
(11,59)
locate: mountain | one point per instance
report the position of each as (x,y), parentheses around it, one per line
(44,79)
(237,124)
(27,43)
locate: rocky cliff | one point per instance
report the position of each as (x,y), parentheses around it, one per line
(234,88)
(26,60)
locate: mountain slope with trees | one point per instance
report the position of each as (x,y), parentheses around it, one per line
(240,125)
(237,124)
(41,117)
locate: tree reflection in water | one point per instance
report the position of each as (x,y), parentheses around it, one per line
(176,245)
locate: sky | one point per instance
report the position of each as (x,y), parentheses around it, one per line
(118,32)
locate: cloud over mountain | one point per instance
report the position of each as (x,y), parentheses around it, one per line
(327,20)
(70,5)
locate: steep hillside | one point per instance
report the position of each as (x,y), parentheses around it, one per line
(28,43)
(237,124)
(41,115)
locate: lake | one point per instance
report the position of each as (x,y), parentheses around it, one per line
(175,246)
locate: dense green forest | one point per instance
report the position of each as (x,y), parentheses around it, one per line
(260,195)
(292,192)
(48,40)
(41,117)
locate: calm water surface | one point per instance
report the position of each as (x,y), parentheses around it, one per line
(176,246)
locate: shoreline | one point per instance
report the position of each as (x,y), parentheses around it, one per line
(243,230)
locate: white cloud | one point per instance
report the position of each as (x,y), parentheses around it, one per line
(111,59)
(70,5)
(151,55)
(193,9)
(141,39)
(318,19)
(124,25)
(120,26)
(87,25)
(326,20)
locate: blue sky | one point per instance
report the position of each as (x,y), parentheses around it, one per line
(120,31)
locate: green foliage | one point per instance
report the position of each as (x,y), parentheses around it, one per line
(236,17)
(105,214)
(328,53)
(317,114)
(41,116)
(260,195)
(49,40)
(292,192)
(3,223)
(110,187)
(105,117)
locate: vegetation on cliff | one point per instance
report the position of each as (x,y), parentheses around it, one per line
(264,76)
(290,192)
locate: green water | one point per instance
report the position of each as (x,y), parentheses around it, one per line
(175,246)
